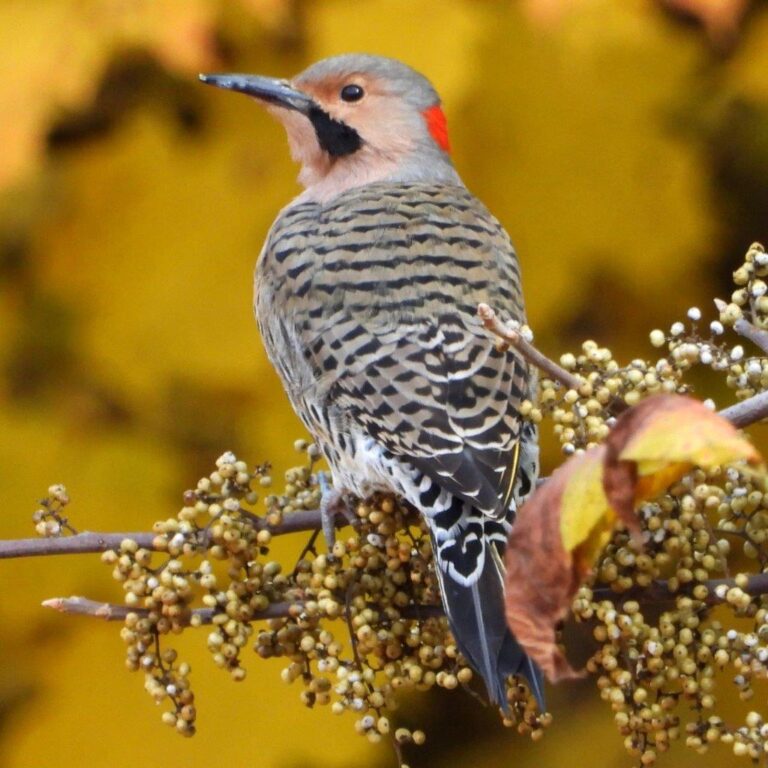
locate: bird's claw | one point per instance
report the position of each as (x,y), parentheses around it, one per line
(331,504)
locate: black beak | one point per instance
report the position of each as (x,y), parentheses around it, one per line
(335,137)
(268,89)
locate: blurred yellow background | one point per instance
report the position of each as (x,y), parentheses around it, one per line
(623,144)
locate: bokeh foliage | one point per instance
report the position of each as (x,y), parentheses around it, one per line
(625,148)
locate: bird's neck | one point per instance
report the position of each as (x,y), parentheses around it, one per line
(325,180)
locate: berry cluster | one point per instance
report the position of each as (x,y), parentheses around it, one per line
(49,519)
(355,624)
(583,416)
(213,527)
(664,656)
(659,670)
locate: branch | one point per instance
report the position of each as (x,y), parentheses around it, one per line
(80,543)
(657,592)
(88,542)
(756,335)
(748,411)
(82,606)
(747,330)
(514,339)
(740,415)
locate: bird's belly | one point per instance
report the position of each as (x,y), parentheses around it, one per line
(361,471)
(359,464)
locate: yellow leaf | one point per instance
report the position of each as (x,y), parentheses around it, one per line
(682,431)
(655,477)
(586,517)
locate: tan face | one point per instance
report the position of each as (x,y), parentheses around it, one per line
(388,126)
(357,99)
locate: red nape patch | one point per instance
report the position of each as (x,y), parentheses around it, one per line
(438,126)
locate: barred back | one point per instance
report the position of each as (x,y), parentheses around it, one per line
(367,306)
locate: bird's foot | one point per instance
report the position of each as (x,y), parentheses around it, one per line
(332,504)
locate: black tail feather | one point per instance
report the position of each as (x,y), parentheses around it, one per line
(477,619)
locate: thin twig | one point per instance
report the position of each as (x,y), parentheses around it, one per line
(657,592)
(740,415)
(83,606)
(756,335)
(309,547)
(81,543)
(350,627)
(89,542)
(747,330)
(398,750)
(748,411)
(526,349)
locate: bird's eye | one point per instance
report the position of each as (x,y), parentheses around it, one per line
(352,92)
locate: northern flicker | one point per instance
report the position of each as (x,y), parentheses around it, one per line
(366,297)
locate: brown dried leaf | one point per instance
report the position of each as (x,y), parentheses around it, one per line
(562,528)
(542,574)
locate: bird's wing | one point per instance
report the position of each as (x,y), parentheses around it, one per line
(439,395)
(381,303)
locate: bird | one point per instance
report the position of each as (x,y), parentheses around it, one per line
(366,296)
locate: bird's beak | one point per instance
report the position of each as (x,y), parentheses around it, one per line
(268,89)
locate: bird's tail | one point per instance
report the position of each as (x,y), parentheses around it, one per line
(477,618)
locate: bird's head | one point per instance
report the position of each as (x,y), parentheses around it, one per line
(355,119)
